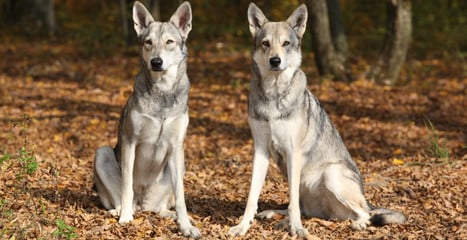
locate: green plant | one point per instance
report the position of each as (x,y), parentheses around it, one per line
(6,216)
(20,164)
(4,208)
(64,230)
(27,160)
(235,83)
(436,149)
(6,157)
(24,159)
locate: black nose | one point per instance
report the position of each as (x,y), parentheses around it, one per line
(156,63)
(275,61)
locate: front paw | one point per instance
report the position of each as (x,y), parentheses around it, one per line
(125,219)
(239,230)
(190,231)
(299,231)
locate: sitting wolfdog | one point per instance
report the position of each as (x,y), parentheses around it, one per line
(288,124)
(145,169)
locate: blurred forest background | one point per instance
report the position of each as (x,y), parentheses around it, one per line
(96,26)
(67,69)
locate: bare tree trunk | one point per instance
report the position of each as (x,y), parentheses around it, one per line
(328,60)
(127,23)
(44,14)
(123,14)
(50,18)
(156,9)
(396,44)
(337,30)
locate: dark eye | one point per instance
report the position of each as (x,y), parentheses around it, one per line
(170,41)
(286,43)
(265,43)
(148,42)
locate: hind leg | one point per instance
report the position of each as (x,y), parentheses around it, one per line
(345,185)
(107,179)
(336,194)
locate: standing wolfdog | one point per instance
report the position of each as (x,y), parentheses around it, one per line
(145,169)
(288,124)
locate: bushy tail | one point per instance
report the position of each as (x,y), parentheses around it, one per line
(382,216)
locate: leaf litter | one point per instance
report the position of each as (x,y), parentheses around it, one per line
(62,110)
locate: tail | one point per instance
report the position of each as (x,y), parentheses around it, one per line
(382,216)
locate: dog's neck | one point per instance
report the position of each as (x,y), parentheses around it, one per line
(274,83)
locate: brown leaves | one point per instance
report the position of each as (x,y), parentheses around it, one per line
(71,117)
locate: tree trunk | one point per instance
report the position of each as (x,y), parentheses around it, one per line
(127,21)
(396,44)
(44,14)
(51,22)
(156,9)
(329,60)
(124,15)
(337,30)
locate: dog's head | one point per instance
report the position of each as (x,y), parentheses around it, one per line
(163,42)
(277,44)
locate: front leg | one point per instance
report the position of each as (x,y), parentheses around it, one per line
(177,167)
(260,168)
(294,165)
(128,148)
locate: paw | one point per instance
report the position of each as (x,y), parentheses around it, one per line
(266,214)
(168,214)
(114,212)
(190,231)
(360,224)
(125,219)
(282,224)
(239,230)
(299,230)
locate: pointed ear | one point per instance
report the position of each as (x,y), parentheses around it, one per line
(298,20)
(141,17)
(182,19)
(256,18)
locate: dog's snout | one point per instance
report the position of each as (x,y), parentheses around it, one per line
(275,62)
(156,63)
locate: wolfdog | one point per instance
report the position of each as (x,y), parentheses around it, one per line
(145,169)
(288,124)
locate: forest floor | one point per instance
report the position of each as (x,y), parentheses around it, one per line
(57,106)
